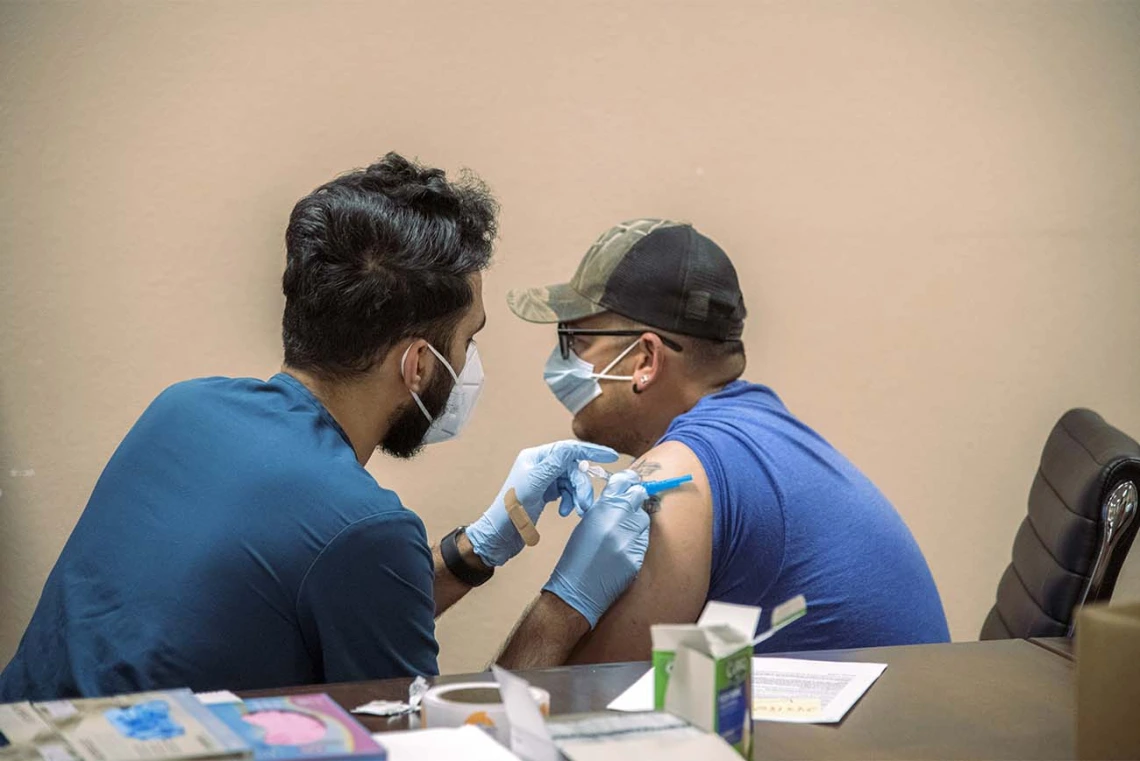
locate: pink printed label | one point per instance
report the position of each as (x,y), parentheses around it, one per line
(287,727)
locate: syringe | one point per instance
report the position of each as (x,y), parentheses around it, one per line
(651,487)
(594,471)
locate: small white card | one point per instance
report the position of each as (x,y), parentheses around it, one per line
(530,739)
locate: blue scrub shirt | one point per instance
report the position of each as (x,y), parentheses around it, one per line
(233,541)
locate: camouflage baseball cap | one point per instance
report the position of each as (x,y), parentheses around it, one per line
(660,273)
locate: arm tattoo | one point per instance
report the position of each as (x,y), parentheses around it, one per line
(646,468)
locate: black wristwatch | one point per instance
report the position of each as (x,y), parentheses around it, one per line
(472,577)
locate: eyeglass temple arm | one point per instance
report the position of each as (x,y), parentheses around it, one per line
(563,331)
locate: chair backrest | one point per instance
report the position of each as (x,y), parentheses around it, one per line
(1081,523)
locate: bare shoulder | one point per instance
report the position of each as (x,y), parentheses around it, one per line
(672,459)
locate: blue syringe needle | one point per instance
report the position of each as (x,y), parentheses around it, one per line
(653,488)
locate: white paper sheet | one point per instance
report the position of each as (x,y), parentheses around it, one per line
(808,692)
(622,737)
(639,697)
(467,743)
(785,689)
(705,747)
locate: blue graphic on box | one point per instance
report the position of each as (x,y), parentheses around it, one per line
(145,721)
(730,708)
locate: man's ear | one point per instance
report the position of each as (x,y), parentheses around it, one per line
(412,364)
(650,362)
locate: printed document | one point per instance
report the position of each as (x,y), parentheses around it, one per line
(808,692)
(785,689)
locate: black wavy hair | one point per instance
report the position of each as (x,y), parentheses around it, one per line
(379,255)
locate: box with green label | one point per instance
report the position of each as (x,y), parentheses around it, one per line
(703,671)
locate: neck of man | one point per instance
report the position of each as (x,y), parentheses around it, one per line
(354,404)
(661,408)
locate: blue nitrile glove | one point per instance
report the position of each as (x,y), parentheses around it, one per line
(606,550)
(540,475)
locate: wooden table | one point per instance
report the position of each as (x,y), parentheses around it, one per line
(1062,646)
(1004,699)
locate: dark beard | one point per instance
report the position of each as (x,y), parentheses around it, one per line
(408,426)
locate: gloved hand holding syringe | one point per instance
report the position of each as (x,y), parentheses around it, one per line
(652,488)
(607,546)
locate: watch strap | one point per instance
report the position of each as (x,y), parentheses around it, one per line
(453,559)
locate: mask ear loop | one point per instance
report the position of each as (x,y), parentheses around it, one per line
(603,374)
(446,364)
(416,396)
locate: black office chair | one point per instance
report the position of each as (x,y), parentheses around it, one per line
(1081,523)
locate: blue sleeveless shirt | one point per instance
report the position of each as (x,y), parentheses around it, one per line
(791,515)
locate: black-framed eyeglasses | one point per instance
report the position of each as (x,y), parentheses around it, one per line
(566,337)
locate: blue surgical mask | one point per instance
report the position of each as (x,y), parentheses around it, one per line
(574,381)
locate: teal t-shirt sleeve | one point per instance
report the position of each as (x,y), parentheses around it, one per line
(366,605)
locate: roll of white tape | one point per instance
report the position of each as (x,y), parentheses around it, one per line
(478,703)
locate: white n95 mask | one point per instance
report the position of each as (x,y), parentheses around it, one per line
(574,381)
(461,401)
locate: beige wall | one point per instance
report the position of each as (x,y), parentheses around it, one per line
(934,209)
